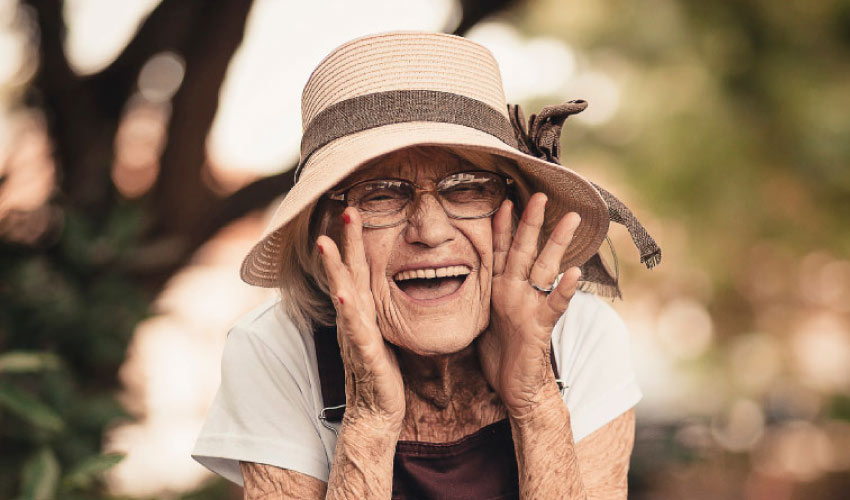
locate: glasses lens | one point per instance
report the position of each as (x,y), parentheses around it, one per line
(380,202)
(471,194)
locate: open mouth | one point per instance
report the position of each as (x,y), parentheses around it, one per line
(431,283)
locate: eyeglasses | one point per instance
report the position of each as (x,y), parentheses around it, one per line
(463,195)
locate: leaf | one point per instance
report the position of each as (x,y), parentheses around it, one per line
(39,476)
(28,361)
(29,408)
(82,475)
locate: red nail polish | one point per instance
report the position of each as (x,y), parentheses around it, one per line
(340,299)
(346,218)
(321,250)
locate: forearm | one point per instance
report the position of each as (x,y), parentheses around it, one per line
(546,453)
(267,482)
(363,460)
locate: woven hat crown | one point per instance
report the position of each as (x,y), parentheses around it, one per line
(404,61)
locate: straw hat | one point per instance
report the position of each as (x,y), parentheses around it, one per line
(381,93)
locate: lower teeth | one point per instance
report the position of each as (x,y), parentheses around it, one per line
(425,288)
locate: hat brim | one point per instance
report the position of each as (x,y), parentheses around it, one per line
(335,161)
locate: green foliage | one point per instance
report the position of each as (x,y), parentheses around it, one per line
(839,407)
(67,312)
(40,476)
(84,474)
(21,362)
(29,409)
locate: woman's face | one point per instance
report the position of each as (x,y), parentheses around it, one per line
(438,315)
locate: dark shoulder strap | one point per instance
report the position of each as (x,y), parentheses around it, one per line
(331,372)
(552,360)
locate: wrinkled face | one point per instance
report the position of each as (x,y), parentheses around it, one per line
(430,276)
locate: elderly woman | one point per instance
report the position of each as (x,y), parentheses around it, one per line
(434,338)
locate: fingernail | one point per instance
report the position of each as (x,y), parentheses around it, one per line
(340,299)
(321,250)
(346,218)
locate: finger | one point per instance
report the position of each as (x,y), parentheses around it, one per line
(524,245)
(335,269)
(354,253)
(558,301)
(548,263)
(348,369)
(344,296)
(502,236)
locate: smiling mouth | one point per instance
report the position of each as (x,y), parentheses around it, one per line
(431,283)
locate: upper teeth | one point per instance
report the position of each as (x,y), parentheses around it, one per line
(438,272)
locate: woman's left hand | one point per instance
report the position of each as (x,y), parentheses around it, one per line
(514,349)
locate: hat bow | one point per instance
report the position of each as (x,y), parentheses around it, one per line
(541,137)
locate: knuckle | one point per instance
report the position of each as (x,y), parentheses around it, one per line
(523,250)
(555,310)
(534,223)
(544,267)
(565,294)
(561,240)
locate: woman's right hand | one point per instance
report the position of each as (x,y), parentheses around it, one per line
(373,384)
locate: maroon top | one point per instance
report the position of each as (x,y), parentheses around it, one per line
(480,466)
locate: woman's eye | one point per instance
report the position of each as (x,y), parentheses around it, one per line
(383,199)
(463,190)
(470,186)
(381,195)
(467,189)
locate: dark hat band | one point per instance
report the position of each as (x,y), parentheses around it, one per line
(398,106)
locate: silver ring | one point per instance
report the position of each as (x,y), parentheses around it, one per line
(547,291)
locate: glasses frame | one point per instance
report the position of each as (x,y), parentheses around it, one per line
(342,196)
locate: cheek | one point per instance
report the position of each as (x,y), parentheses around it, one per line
(377,248)
(480,236)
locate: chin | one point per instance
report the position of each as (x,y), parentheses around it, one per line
(436,338)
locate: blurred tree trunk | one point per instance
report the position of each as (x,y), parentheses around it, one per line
(83,114)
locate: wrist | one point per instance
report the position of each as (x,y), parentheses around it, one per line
(544,405)
(372,425)
(363,458)
(545,392)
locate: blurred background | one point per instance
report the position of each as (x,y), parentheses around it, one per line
(143,143)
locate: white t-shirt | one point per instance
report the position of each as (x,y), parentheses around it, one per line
(267,407)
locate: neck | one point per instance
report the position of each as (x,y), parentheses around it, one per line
(447,396)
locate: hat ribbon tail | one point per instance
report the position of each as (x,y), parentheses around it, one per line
(650,252)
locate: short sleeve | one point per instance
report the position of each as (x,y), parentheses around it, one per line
(593,354)
(261,413)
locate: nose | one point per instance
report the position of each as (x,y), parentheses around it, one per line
(428,224)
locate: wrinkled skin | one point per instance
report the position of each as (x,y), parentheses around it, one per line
(496,302)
